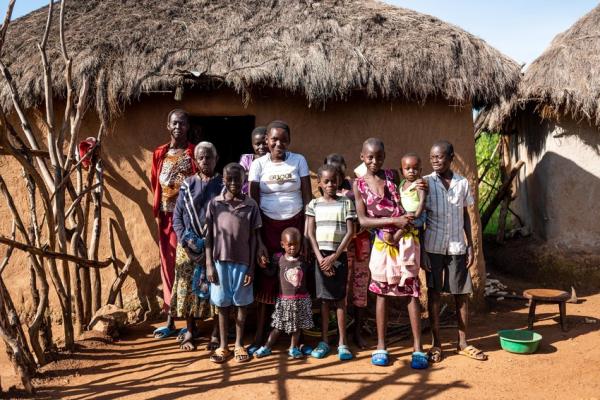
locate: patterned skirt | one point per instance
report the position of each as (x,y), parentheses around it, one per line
(183,301)
(291,315)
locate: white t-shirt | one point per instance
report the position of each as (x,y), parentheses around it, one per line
(280,188)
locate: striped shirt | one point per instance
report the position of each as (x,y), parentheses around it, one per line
(330,218)
(445,215)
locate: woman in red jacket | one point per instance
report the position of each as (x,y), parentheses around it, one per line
(171,164)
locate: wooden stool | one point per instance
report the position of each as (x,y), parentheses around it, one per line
(547,296)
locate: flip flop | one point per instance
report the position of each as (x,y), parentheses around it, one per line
(253,348)
(163,332)
(435,355)
(419,360)
(220,356)
(321,351)
(473,353)
(344,353)
(181,335)
(262,352)
(295,353)
(240,355)
(380,358)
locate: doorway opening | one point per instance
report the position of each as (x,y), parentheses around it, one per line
(230,135)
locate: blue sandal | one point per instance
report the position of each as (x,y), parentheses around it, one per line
(295,353)
(262,352)
(252,349)
(380,358)
(344,353)
(321,351)
(306,349)
(163,332)
(419,360)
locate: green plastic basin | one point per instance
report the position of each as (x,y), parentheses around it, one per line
(519,341)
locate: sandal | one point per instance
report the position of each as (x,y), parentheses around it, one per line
(472,352)
(344,353)
(220,355)
(252,349)
(306,349)
(163,332)
(380,358)
(419,360)
(435,355)
(240,355)
(321,351)
(181,335)
(262,352)
(295,353)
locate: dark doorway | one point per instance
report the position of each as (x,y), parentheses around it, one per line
(230,135)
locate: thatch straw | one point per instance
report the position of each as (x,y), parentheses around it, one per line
(323,50)
(563,81)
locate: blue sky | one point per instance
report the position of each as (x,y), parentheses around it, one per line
(521,29)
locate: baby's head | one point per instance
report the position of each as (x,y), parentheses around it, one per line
(290,241)
(411,166)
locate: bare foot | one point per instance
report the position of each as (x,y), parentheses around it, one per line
(187,344)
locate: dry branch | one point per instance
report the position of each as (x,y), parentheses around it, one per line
(502,192)
(54,255)
(115,288)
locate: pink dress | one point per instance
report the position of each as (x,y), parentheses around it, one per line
(394,267)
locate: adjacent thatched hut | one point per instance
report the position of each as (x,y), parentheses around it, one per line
(555,120)
(338,72)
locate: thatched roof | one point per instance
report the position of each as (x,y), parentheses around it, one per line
(563,81)
(323,50)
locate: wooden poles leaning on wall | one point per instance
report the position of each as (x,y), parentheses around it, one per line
(60,226)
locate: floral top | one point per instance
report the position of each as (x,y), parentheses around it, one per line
(177,165)
(246,162)
(387,206)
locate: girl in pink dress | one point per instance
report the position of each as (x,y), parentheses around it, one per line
(380,209)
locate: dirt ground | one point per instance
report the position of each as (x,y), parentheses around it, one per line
(139,367)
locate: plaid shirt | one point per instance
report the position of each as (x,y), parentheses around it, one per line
(445,215)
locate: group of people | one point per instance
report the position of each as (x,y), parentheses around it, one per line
(255,234)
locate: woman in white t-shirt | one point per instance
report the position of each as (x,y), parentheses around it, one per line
(280,184)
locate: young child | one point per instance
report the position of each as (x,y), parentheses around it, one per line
(412,197)
(358,256)
(293,308)
(259,145)
(380,209)
(233,220)
(330,227)
(449,257)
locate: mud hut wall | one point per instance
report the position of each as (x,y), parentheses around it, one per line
(316,131)
(558,187)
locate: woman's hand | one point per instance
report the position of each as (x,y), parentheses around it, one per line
(211,273)
(248,278)
(403,221)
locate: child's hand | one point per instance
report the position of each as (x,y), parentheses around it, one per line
(248,279)
(211,274)
(470,258)
(262,256)
(194,257)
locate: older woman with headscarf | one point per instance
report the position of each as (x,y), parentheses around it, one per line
(190,290)
(171,164)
